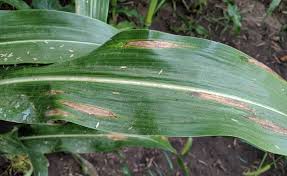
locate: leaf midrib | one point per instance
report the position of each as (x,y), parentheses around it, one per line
(87,135)
(108,80)
(45,40)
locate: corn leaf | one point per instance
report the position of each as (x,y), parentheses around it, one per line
(39,162)
(47,4)
(10,144)
(18,4)
(145,82)
(37,140)
(53,5)
(43,37)
(73,138)
(97,9)
(273,5)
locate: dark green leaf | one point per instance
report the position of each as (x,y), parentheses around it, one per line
(235,16)
(42,36)
(77,139)
(46,4)
(18,4)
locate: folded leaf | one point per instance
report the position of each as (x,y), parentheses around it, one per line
(73,138)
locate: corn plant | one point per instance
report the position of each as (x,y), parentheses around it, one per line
(76,84)
(272,6)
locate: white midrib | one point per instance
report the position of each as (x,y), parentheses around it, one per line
(47,41)
(132,82)
(83,136)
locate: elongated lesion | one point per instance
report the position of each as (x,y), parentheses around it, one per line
(117,137)
(89,109)
(55,92)
(223,100)
(260,64)
(56,112)
(149,44)
(268,125)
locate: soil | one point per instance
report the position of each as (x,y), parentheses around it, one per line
(263,39)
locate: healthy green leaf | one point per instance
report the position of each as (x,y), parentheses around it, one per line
(40,163)
(150,12)
(43,37)
(235,16)
(18,4)
(273,5)
(47,4)
(151,83)
(97,9)
(187,146)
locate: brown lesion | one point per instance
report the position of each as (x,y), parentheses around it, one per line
(265,67)
(56,112)
(55,92)
(260,64)
(89,109)
(243,106)
(117,137)
(223,100)
(269,125)
(150,44)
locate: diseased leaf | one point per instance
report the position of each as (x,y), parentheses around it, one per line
(150,83)
(77,139)
(44,37)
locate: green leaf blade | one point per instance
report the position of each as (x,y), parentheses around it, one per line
(48,36)
(273,5)
(73,138)
(97,9)
(46,4)
(18,4)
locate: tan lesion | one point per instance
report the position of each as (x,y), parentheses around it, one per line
(117,137)
(149,44)
(55,92)
(89,109)
(260,64)
(265,67)
(56,112)
(268,125)
(222,100)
